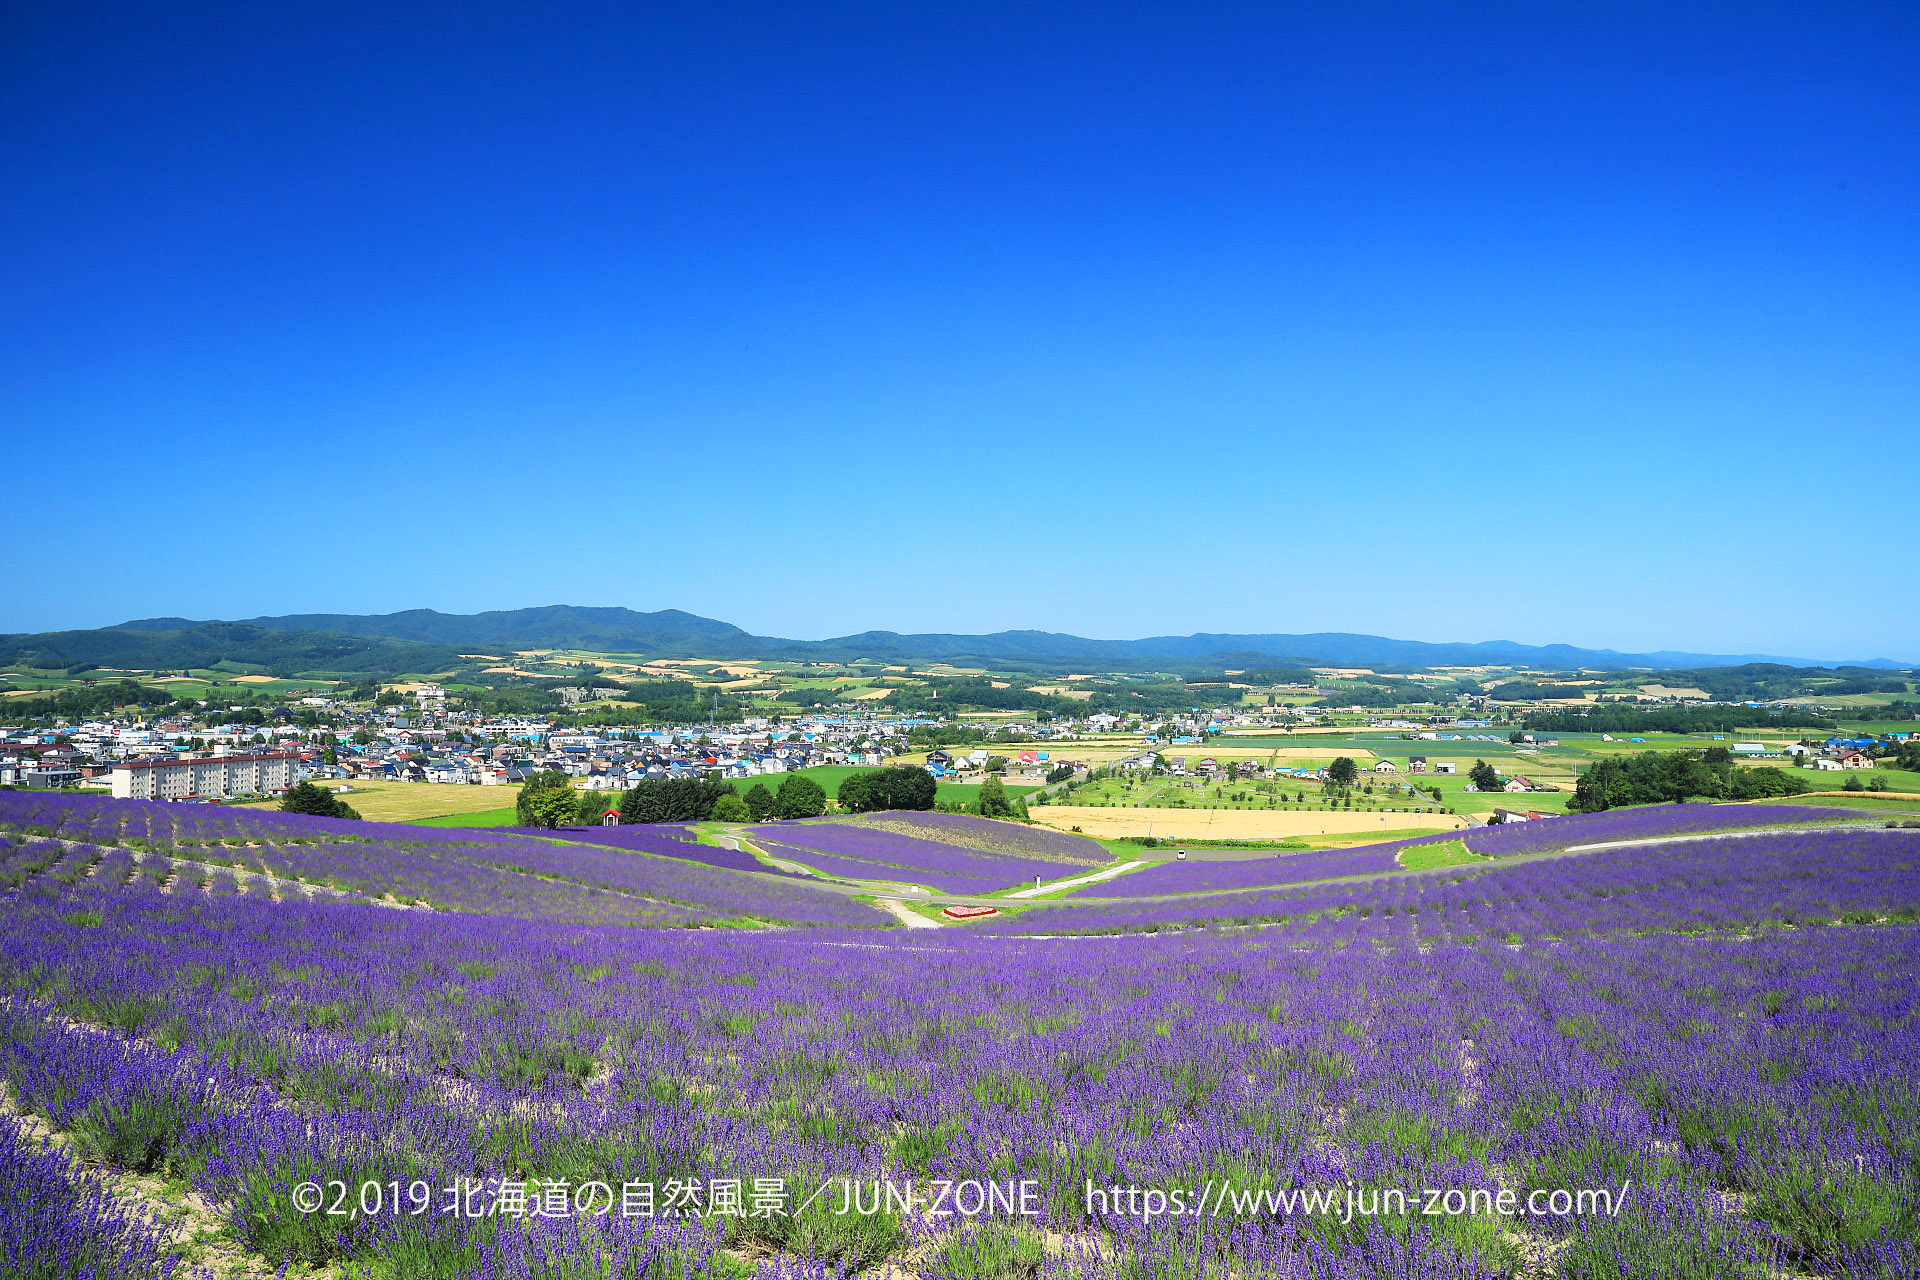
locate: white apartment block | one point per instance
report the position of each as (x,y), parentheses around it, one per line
(206,779)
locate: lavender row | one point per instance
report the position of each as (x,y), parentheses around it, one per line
(251,1044)
(989,835)
(1204,877)
(56,1220)
(891,850)
(462,870)
(855,869)
(1646,822)
(656,840)
(1725,883)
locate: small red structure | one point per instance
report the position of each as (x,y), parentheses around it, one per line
(969,913)
(611,818)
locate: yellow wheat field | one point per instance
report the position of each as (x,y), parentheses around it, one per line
(382,801)
(1233,824)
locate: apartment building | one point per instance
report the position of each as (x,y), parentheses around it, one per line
(209,778)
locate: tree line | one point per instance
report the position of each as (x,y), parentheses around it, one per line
(1670,777)
(549,800)
(1619,718)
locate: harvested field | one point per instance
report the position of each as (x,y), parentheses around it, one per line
(405,801)
(1232,824)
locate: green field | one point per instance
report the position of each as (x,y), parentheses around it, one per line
(1445,853)
(485,818)
(1884,802)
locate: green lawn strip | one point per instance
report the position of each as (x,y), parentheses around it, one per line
(507,817)
(1884,802)
(1444,853)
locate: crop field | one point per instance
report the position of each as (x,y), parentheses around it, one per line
(1147,792)
(1678,1041)
(1232,824)
(382,801)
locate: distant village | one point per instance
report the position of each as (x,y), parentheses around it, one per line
(209,756)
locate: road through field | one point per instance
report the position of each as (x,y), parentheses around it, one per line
(1057,885)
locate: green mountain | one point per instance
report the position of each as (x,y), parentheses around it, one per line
(203,644)
(671,631)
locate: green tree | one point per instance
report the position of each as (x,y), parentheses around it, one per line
(1342,772)
(993,801)
(589,807)
(730,808)
(318,802)
(525,812)
(759,802)
(551,808)
(1483,776)
(900,787)
(799,797)
(672,799)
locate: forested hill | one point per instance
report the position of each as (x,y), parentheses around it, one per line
(423,640)
(671,631)
(203,644)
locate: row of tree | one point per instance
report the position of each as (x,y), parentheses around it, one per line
(1666,777)
(896,788)
(1621,718)
(549,800)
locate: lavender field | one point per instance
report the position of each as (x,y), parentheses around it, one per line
(1506,841)
(863,852)
(649,880)
(1724,1031)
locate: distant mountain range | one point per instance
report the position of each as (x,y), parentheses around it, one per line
(427,640)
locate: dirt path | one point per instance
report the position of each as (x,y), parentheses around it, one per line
(905,914)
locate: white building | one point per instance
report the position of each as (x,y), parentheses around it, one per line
(206,779)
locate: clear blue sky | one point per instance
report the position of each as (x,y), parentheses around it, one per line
(1594,324)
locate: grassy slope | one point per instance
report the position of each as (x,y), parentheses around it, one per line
(506,817)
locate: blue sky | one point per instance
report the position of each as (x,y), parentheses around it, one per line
(1441,322)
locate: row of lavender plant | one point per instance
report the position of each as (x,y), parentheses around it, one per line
(988,835)
(1505,840)
(666,842)
(245,1046)
(1729,882)
(57,1221)
(788,900)
(888,849)
(1210,877)
(884,872)
(467,871)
